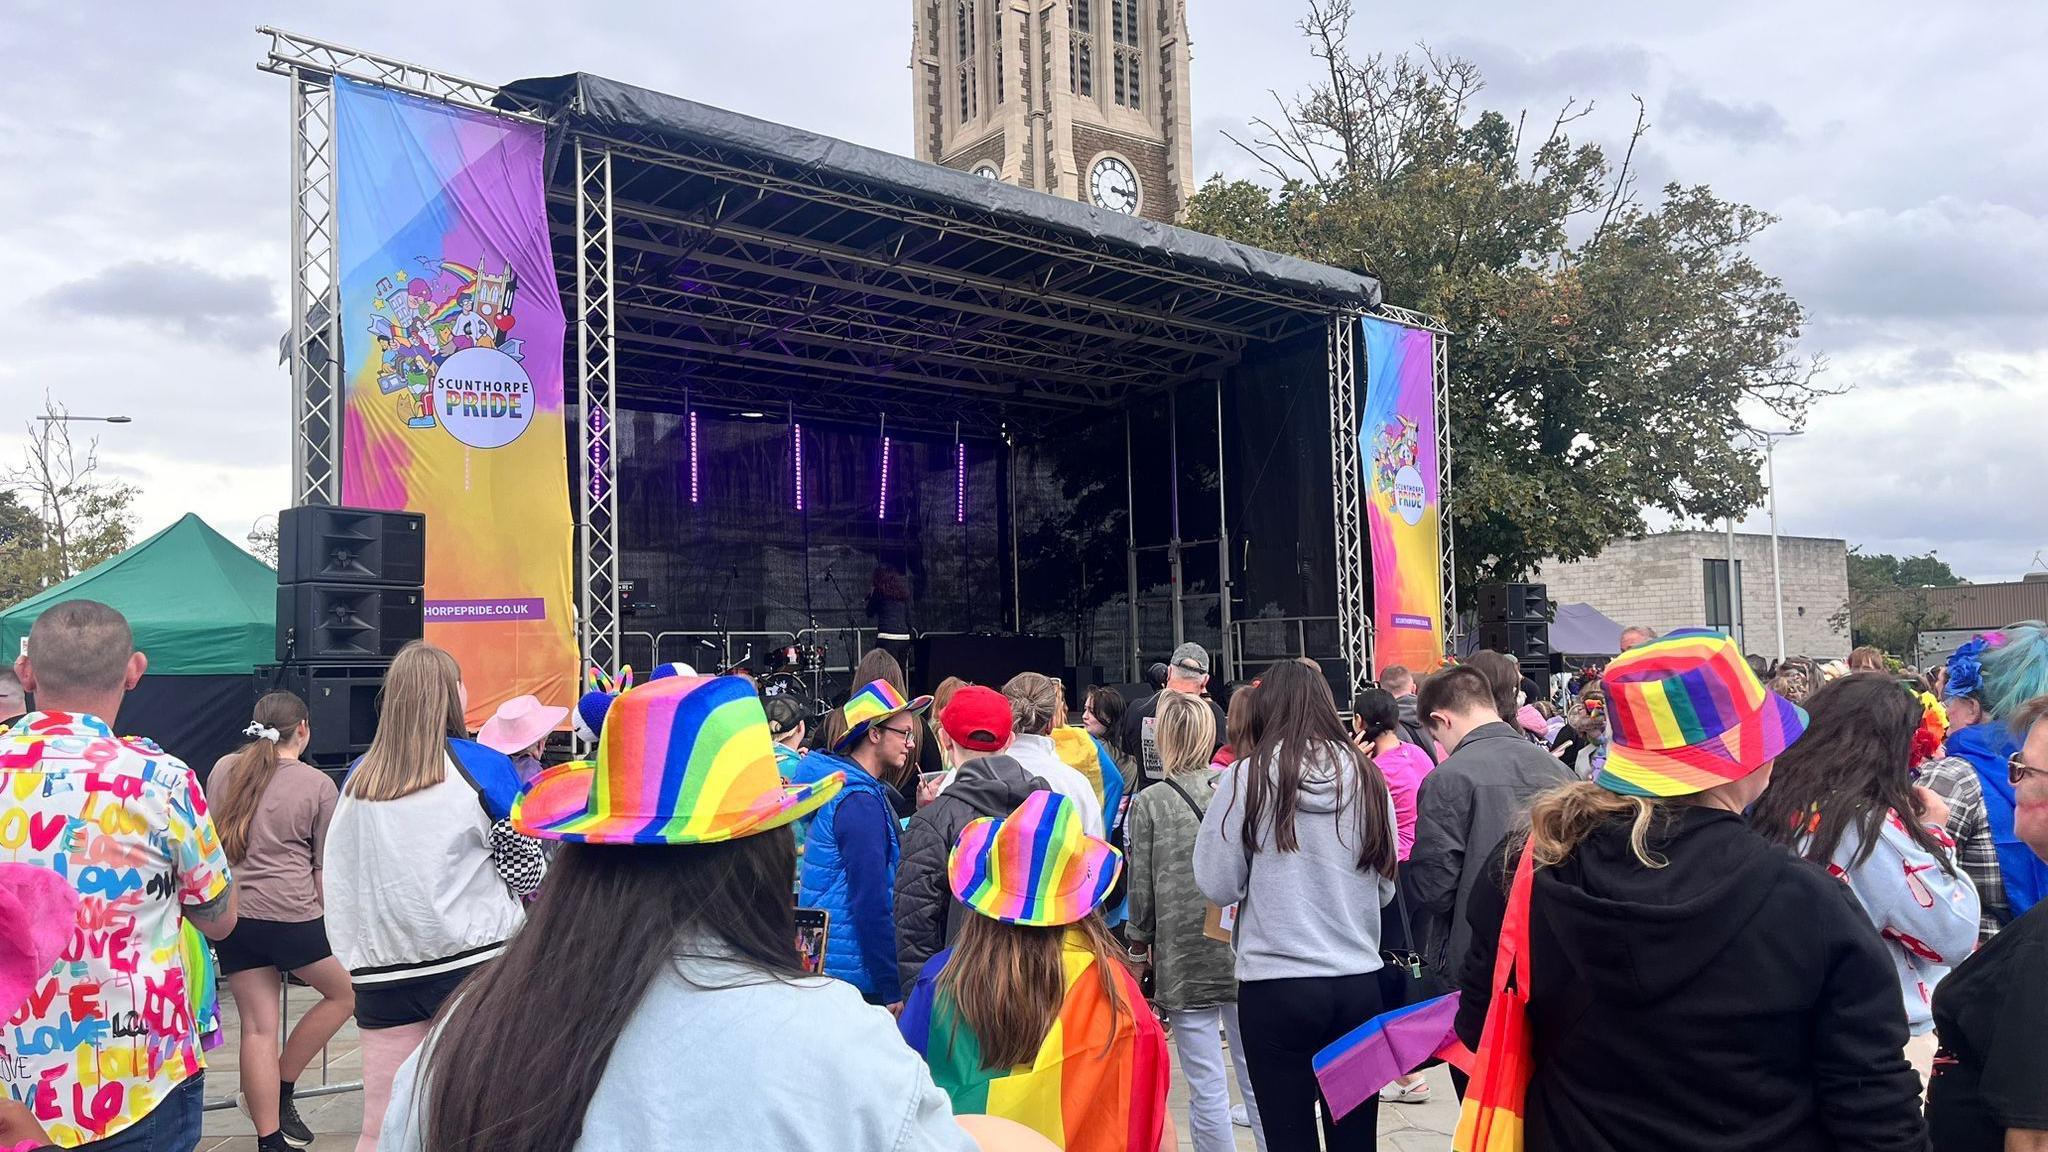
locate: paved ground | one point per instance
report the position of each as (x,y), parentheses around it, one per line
(336,1119)
(1403,1127)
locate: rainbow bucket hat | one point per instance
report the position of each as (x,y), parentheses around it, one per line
(682,760)
(874,703)
(1689,715)
(1034,867)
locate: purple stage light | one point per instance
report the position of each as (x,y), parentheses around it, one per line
(694,491)
(883,513)
(959,482)
(797,431)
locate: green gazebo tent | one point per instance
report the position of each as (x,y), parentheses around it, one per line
(204,612)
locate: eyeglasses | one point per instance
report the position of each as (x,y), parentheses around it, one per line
(2017,770)
(904,733)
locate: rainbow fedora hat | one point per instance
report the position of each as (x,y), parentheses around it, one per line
(872,704)
(1034,867)
(1688,715)
(682,760)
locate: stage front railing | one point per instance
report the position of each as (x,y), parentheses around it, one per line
(1265,639)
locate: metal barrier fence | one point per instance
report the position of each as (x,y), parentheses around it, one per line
(284,1024)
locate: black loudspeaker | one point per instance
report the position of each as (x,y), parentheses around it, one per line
(346,623)
(1514,603)
(317,544)
(341,709)
(1528,643)
(989,660)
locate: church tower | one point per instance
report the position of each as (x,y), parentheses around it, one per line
(1086,99)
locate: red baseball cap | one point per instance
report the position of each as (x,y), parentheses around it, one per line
(977,719)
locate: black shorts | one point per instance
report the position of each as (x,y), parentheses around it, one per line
(272,944)
(402,1002)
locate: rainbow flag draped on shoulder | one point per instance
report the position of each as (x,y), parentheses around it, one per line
(1087,1090)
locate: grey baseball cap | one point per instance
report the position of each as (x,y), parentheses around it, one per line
(1191,658)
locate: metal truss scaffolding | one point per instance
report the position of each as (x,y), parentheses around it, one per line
(1440,369)
(1354,617)
(597,521)
(315,297)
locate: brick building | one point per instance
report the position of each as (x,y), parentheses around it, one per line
(1681,580)
(1086,99)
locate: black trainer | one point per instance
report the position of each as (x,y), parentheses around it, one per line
(275,1142)
(290,1125)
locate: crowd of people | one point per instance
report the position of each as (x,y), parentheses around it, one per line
(1753,907)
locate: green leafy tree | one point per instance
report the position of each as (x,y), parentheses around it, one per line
(262,540)
(1888,602)
(59,517)
(1607,352)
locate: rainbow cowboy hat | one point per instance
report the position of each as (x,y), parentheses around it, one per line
(873,704)
(1689,715)
(1034,867)
(682,760)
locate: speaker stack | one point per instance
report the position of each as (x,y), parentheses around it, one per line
(350,594)
(1515,619)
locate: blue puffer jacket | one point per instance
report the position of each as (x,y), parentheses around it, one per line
(849,870)
(1987,746)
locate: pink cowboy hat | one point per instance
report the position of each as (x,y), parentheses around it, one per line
(518,723)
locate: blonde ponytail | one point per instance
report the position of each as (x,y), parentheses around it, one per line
(1562,818)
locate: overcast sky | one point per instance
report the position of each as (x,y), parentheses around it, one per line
(143,228)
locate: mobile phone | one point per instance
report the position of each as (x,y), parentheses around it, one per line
(812,925)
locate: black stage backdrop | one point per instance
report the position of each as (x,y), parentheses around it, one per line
(198,719)
(739,551)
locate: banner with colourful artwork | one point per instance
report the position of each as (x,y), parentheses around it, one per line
(1397,441)
(452,369)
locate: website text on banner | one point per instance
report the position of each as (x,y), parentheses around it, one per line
(1398,448)
(452,343)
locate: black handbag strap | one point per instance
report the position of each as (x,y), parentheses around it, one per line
(1192,806)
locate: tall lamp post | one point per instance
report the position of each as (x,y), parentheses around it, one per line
(1771,482)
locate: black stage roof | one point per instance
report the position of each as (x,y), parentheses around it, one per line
(762,264)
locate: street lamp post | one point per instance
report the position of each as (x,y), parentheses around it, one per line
(1777,575)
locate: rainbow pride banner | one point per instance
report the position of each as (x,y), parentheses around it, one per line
(452,368)
(1397,442)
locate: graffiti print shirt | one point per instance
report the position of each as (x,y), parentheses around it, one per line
(108,1032)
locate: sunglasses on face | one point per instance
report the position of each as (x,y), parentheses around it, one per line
(2017,770)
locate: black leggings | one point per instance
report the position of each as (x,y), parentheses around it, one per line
(1284,1023)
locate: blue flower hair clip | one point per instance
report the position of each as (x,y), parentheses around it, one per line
(1965,669)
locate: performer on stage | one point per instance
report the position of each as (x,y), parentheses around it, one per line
(889,606)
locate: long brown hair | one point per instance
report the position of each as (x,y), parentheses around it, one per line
(250,772)
(1293,722)
(877,664)
(1008,983)
(421,712)
(1852,769)
(524,1043)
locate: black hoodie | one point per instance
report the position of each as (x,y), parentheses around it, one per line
(925,919)
(1735,999)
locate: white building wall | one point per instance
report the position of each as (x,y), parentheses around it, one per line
(1660,581)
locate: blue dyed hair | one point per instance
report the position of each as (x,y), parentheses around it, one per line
(2017,670)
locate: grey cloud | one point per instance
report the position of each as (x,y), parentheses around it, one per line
(1577,68)
(1690,112)
(176,295)
(1970,263)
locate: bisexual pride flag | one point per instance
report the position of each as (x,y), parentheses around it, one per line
(1386,1047)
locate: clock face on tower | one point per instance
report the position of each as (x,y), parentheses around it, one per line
(1113,185)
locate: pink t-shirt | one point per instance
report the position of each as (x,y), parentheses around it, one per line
(1404,765)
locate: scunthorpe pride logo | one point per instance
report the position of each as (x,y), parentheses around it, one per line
(1408,494)
(483,397)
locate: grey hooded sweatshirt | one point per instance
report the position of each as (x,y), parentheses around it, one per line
(1310,912)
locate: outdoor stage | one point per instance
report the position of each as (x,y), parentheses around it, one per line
(791,359)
